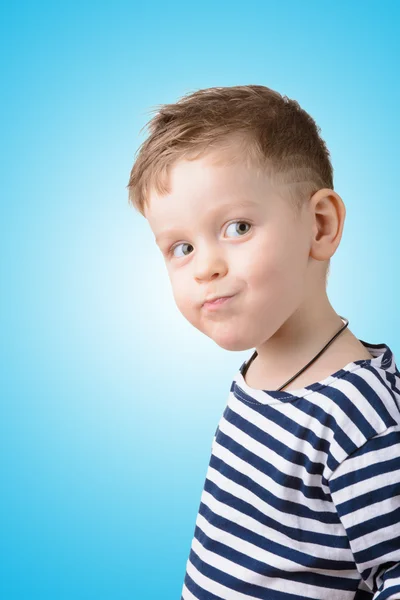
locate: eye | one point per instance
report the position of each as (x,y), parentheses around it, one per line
(172,250)
(241,223)
(177,246)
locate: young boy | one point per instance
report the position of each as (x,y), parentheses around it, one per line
(302,492)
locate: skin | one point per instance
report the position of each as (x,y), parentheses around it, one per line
(275,265)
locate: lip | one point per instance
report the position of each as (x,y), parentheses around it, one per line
(215,304)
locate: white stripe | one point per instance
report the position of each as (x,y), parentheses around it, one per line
(269,534)
(248,576)
(265,481)
(187,594)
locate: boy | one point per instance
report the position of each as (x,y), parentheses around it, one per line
(302,492)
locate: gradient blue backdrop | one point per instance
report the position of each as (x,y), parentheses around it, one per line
(109,398)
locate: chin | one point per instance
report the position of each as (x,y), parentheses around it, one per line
(232,344)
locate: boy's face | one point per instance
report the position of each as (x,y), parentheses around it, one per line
(259,253)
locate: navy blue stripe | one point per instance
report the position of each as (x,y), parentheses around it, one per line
(374,399)
(198,592)
(265,543)
(365,527)
(364,473)
(275,416)
(385,440)
(388,593)
(302,535)
(238,585)
(373,552)
(257,566)
(364,500)
(299,458)
(363,595)
(383,382)
(264,494)
(349,407)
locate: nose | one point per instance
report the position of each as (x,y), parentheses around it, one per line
(209,262)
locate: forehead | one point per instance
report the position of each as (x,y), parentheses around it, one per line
(200,190)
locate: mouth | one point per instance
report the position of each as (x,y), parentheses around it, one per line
(214,304)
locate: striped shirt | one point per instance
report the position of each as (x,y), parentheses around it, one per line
(302,492)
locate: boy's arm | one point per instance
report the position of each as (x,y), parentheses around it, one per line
(365,489)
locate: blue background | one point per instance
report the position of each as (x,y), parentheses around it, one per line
(109,398)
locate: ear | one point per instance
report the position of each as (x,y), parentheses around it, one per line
(328,214)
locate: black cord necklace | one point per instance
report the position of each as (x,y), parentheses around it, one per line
(309,363)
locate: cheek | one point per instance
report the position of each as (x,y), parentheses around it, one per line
(178,292)
(273,270)
(265,266)
(186,304)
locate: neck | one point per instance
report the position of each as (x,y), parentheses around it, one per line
(299,339)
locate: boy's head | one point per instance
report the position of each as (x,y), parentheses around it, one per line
(243,179)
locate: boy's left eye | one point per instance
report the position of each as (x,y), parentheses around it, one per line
(241,222)
(171,251)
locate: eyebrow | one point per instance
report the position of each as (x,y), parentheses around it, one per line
(227,205)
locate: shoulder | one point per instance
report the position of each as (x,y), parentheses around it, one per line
(364,402)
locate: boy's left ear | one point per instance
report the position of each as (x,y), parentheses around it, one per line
(328,214)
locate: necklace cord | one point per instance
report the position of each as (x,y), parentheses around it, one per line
(319,354)
(309,363)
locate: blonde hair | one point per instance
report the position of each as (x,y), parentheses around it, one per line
(250,123)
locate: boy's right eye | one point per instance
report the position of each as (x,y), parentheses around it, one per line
(171,251)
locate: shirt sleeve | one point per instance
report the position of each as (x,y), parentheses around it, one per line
(365,489)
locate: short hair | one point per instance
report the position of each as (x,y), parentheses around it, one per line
(273,134)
